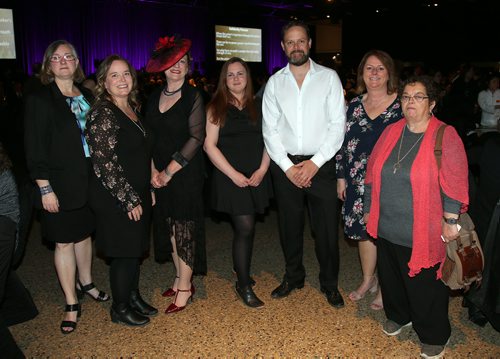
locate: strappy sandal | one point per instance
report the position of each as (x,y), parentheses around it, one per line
(69,323)
(85,289)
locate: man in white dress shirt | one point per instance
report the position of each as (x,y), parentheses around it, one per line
(303,128)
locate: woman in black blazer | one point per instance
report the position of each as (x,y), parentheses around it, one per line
(59,162)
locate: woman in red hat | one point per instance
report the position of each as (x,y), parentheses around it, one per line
(176,115)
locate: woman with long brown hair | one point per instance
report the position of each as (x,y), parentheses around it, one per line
(241,185)
(120,191)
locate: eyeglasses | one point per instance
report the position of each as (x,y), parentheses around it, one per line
(417,98)
(299,43)
(67,57)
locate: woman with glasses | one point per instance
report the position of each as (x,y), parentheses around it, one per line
(58,160)
(368,115)
(412,207)
(241,185)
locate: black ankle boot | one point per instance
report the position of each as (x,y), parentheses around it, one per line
(140,306)
(124,314)
(248,296)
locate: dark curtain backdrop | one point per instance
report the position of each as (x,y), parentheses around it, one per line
(100,28)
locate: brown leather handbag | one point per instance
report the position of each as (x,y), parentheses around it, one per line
(464,261)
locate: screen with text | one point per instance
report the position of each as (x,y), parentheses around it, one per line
(7,43)
(242,42)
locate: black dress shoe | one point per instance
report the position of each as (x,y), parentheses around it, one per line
(248,296)
(284,289)
(334,298)
(252,281)
(123,314)
(140,306)
(476,316)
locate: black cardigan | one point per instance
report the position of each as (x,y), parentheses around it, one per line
(54,149)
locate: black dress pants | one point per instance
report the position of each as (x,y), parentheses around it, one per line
(321,200)
(8,346)
(422,299)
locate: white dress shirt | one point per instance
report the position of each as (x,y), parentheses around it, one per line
(303,121)
(487,100)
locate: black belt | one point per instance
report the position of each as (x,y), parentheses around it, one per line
(298,158)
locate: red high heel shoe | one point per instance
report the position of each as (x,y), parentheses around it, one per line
(173,308)
(171,293)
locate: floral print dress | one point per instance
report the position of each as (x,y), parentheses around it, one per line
(362,133)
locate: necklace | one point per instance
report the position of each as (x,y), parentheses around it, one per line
(166,92)
(130,114)
(397,165)
(139,125)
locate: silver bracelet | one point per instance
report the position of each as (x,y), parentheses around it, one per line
(46,190)
(168,173)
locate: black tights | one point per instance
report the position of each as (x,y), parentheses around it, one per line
(244,231)
(124,278)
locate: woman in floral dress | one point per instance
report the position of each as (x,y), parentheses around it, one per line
(367,116)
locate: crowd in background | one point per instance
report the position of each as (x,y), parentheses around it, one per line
(458,102)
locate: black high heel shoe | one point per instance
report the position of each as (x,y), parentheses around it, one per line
(248,296)
(252,281)
(85,289)
(69,323)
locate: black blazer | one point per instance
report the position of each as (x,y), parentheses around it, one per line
(54,149)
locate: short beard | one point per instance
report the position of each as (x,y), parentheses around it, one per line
(300,61)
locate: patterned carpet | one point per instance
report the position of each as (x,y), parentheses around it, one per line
(218,325)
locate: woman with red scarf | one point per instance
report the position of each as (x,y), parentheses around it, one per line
(412,208)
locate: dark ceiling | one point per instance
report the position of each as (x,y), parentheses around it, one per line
(409,29)
(313,10)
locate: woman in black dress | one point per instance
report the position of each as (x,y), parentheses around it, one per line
(241,186)
(59,161)
(120,190)
(176,114)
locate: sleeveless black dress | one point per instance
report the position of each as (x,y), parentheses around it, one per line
(120,151)
(242,144)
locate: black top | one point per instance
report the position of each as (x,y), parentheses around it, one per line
(179,134)
(242,144)
(120,150)
(54,149)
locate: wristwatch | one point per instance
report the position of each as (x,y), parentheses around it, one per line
(450,220)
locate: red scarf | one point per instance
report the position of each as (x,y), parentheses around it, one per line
(428,248)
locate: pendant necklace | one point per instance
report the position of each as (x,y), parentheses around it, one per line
(397,165)
(139,125)
(166,92)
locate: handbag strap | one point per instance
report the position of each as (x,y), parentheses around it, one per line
(438,146)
